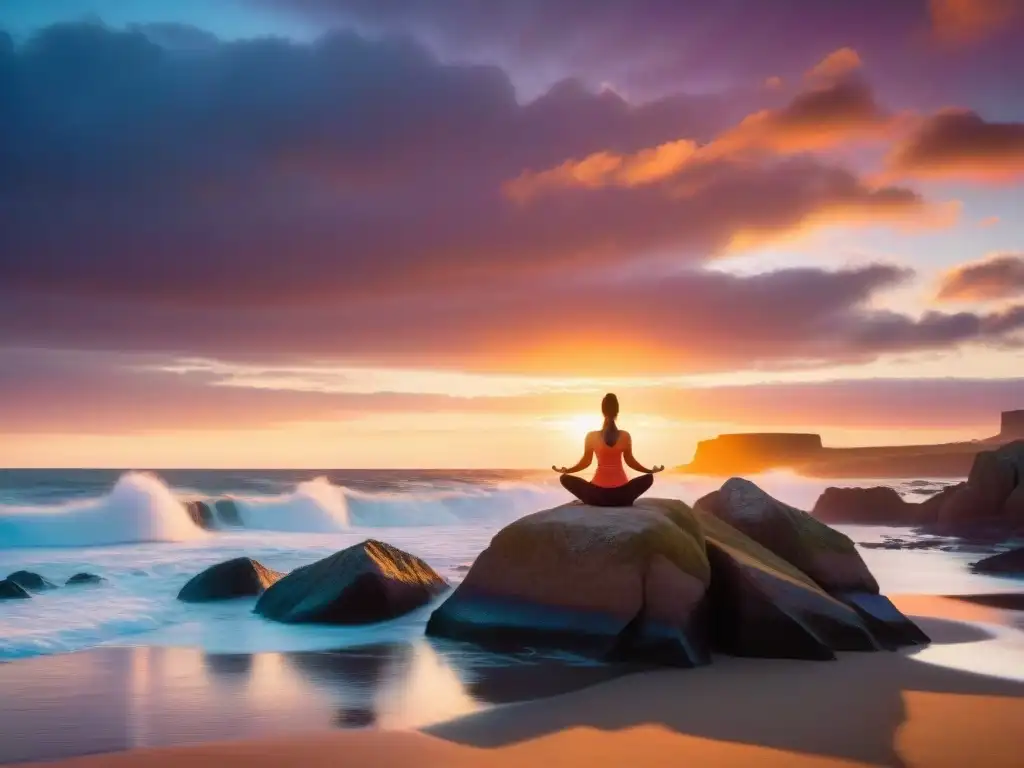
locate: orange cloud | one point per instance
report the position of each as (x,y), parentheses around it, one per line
(967,21)
(836,65)
(959,143)
(998,277)
(607,169)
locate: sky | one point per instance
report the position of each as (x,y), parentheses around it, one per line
(399,233)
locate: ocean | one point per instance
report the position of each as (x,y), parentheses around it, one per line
(131,528)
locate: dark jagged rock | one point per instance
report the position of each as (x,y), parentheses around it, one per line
(930,507)
(84,578)
(1011,562)
(227,512)
(364,583)
(201,514)
(11,590)
(33,582)
(829,557)
(866,506)
(886,622)
(241,577)
(762,606)
(605,582)
(990,505)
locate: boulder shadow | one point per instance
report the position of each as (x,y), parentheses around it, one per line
(851,708)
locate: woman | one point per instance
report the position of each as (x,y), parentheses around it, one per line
(609,487)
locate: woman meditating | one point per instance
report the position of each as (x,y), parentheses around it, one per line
(609,486)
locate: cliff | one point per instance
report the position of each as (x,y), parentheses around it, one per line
(754,452)
(1012,425)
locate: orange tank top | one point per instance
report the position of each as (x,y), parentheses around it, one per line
(610,472)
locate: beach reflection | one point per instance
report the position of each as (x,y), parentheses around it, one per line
(113,698)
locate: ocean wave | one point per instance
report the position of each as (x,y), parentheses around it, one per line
(139,508)
(142,508)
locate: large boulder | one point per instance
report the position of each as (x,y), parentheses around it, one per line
(241,577)
(33,582)
(867,506)
(760,605)
(1011,562)
(931,507)
(829,557)
(622,583)
(365,583)
(11,590)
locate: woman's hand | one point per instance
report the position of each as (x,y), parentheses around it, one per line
(560,470)
(657,468)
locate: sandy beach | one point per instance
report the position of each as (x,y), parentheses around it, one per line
(881,709)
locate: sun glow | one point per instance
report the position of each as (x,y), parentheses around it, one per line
(579,424)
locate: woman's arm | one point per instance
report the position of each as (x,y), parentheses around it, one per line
(632,463)
(588,456)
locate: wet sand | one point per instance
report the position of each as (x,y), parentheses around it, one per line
(879,709)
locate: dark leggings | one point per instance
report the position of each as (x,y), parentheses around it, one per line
(596,496)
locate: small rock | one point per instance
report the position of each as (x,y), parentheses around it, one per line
(84,578)
(241,577)
(33,582)
(1011,562)
(11,590)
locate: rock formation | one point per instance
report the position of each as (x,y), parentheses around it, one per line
(1012,425)
(365,583)
(606,582)
(227,512)
(823,553)
(241,577)
(84,578)
(867,506)
(661,582)
(753,452)
(32,582)
(760,605)
(991,503)
(1011,562)
(201,514)
(11,590)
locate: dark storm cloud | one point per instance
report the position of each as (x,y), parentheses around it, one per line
(653,45)
(271,172)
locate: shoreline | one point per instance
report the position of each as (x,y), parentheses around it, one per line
(864,709)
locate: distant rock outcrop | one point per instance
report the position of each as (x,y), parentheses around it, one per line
(1011,562)
(753,452)
(80,579)
(867,506)
(991,503)
(241,577)
(33,582)
(1012,425)
(365,583)
(201,514)
(11,590)
(227,512)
